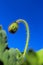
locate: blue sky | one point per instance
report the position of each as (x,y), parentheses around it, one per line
(32,12)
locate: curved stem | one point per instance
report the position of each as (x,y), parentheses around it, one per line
(27,31)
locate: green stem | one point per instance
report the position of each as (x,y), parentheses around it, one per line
(27,31)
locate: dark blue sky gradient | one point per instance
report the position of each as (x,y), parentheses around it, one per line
(32,12)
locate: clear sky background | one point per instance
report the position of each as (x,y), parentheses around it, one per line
(32,12)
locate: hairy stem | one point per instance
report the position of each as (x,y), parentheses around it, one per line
(27,32)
